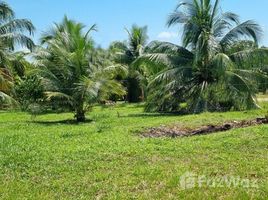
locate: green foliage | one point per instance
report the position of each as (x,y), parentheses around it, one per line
(125,53)
(29,91)
(263,82)
(13,32)
(242,46)
(214,69)
(72,69)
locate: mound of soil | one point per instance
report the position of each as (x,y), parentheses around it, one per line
(174,131)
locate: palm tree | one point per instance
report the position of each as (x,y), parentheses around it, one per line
(207,72)
(126,53)
(11,34)
(72,73)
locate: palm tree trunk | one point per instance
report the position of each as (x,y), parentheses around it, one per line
(134,92)
(142,94)
(80,117)
(80,114)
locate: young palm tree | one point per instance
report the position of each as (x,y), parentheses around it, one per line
(72,72)
(126,54)
(207,72)
(11,34)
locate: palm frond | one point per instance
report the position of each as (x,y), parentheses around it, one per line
(17,25)
(6,13)
(12,39)
(248,29)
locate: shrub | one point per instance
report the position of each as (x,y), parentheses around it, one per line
(29,91)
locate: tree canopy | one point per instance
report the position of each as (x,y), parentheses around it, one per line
(208,72)
(72,74)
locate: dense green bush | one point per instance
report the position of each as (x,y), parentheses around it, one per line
(29,91)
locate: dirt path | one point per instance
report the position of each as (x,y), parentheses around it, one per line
(185,132)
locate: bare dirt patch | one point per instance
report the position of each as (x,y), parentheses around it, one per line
(174,131)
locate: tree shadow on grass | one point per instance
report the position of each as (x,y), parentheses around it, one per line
(155,115)
(62,122)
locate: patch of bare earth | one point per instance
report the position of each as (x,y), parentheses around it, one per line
(175,131)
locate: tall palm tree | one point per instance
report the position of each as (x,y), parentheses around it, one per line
(12,33)
(126,53)
(207,72)
(72,73)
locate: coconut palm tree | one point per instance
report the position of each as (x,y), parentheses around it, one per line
(206,72)
(125,54)
(72,73)
(12,34)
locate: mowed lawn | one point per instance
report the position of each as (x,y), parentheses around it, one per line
(107,159)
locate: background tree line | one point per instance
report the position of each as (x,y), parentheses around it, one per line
(219,66)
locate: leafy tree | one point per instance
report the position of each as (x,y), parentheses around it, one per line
(12,33)
(263,81)
(28,91)
(71,70)
(209,72)
(126,54)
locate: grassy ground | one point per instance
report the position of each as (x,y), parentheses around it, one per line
(106,159)
(263,97)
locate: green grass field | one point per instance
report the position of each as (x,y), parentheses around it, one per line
(263,97)
(107,159)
